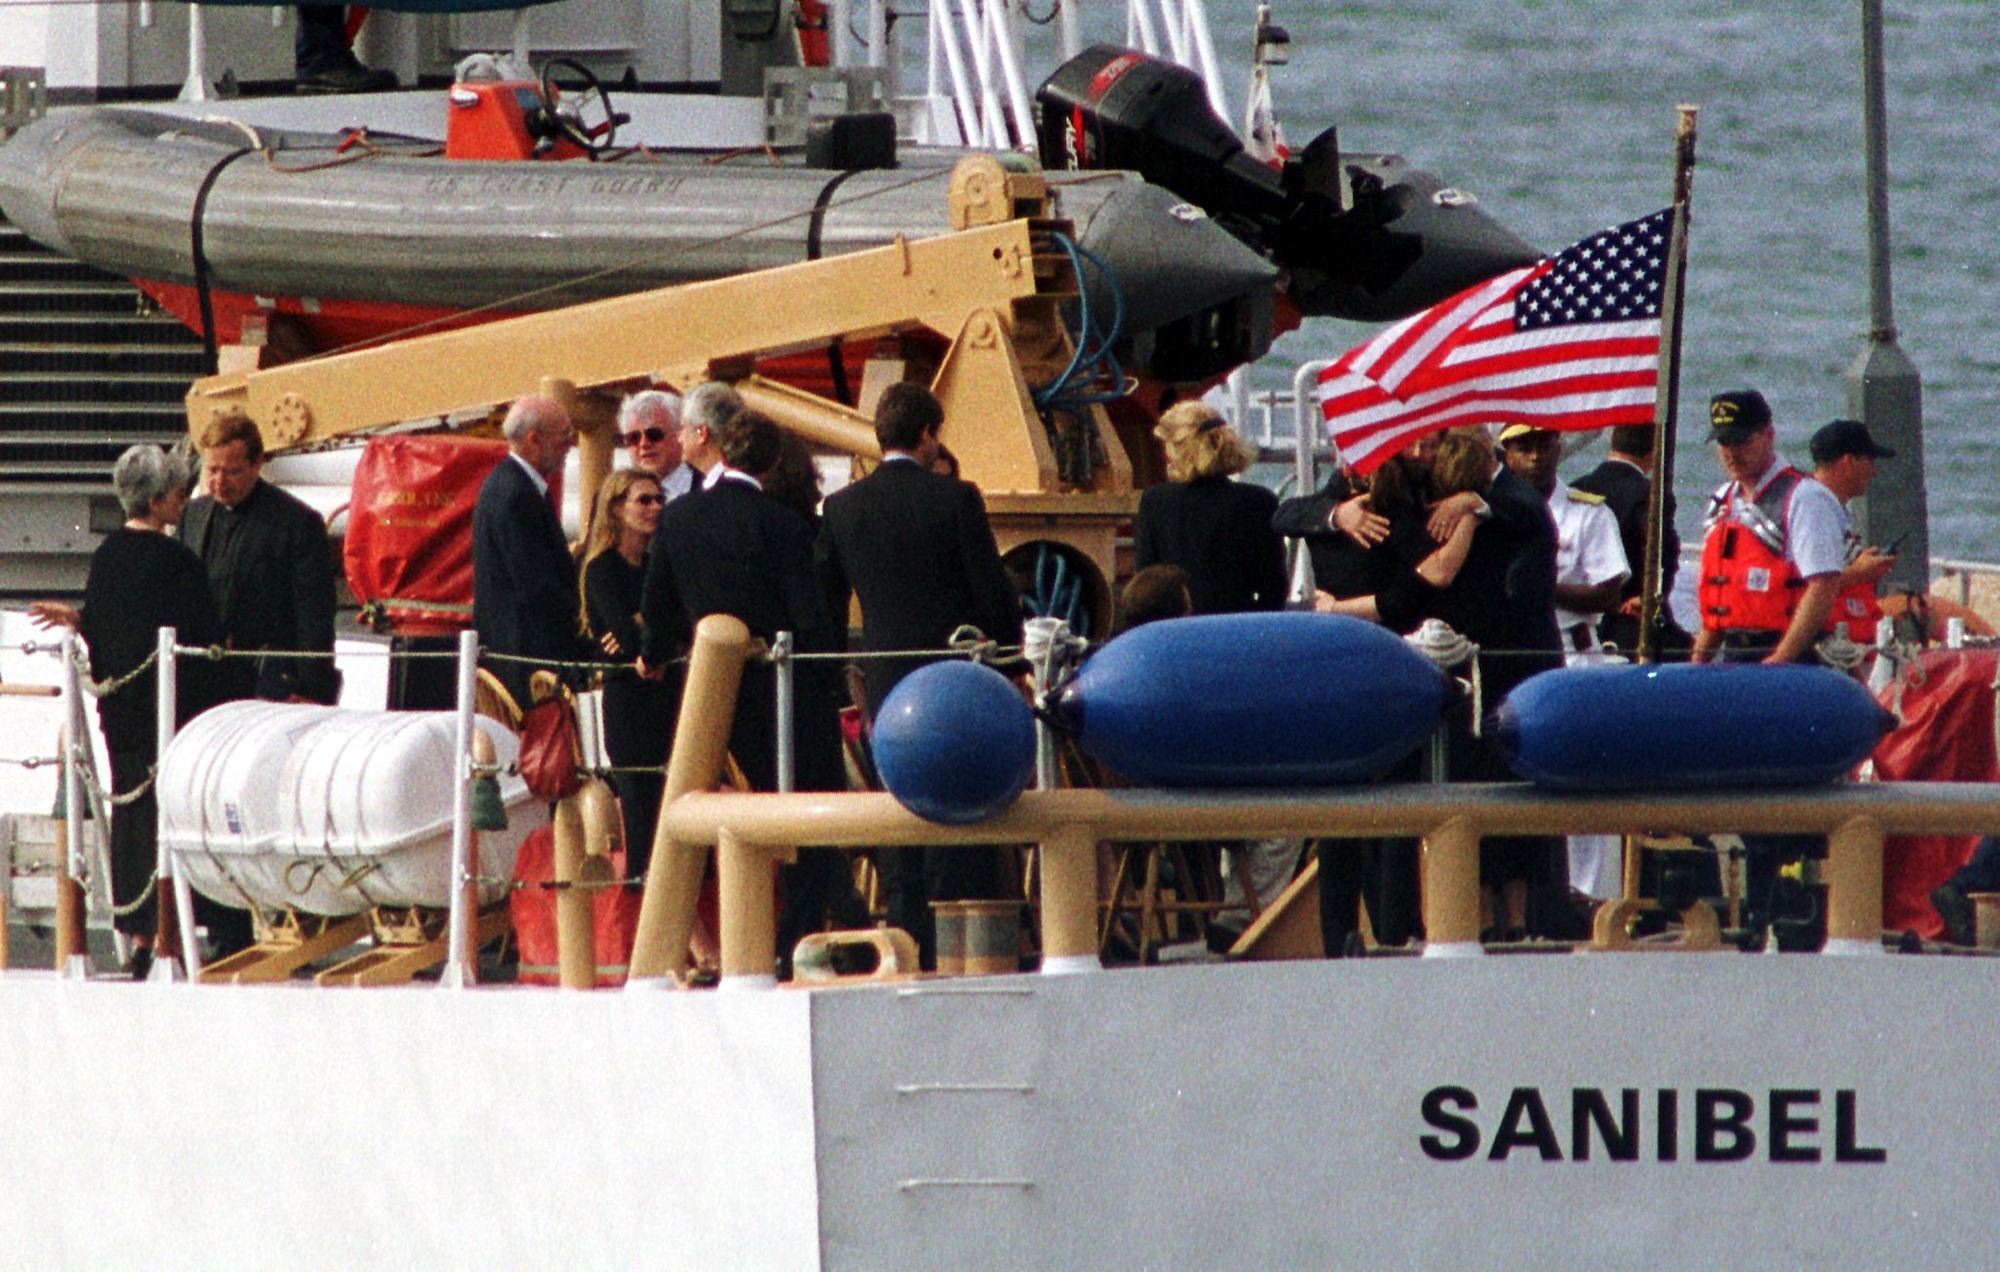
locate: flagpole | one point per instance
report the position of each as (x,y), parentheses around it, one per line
(1668,393)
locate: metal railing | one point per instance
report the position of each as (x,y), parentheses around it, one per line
(974,53)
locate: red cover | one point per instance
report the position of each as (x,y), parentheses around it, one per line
(409,528)
(1946,736)
(615,915)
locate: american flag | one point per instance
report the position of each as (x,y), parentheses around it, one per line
(1571,342)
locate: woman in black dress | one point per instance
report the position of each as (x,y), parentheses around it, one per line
(1216,529)
(638,714)
(140,580)
(1219,531)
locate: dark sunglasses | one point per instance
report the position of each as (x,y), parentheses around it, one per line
(637,435)
(647,501)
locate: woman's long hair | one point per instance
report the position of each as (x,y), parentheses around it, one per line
(1198,444)
(1463,462)
(604,526)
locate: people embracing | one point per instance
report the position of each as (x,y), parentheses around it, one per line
(1443,530)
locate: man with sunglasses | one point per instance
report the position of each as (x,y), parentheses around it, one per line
(649,426)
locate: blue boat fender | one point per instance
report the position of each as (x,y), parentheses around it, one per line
(1285,699)
(1687,726)
(955,742)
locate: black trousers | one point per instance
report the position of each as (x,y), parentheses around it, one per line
(134,841)
(1764,856)
(1380,873)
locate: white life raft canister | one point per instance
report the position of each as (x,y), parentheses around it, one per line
(329,811)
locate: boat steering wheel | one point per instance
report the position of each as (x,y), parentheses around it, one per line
(595,139)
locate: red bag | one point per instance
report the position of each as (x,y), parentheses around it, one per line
(614,916)
(550,752)
(408,550)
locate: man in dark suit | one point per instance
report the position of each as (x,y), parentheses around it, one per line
(732,549)
(269,569)
(523,578)
(916,549)
(1625,482)
(914,546)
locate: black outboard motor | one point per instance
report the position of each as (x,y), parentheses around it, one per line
(1111,107)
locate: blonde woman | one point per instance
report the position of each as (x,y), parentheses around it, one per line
(1217,529)
(638,714)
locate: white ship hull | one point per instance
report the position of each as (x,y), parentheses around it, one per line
(1257,1116)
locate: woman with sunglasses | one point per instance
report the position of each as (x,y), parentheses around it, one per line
(638,714)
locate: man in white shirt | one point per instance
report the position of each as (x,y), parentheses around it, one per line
(1844,455)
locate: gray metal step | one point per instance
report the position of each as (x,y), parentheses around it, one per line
(103,357)
(128,327)
(86,387)
(20,414)
(37,264)
(69,297)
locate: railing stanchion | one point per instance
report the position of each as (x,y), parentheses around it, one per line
(72,956)
(786,672)
(701,744)
(173,900)
(460,968)
(749,937)
(1069,902)
(1451,890)
(1854,888)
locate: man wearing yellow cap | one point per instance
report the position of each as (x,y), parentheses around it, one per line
(1590,557)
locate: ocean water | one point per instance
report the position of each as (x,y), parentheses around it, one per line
(1559,116)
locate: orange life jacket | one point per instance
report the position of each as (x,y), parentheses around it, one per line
(1855,608)
(1747,582)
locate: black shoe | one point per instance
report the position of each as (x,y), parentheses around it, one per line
(1955,908)
(346,77)
(142,962)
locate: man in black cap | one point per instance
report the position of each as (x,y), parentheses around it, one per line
(1775,547)
(1844,458)
(1771,570)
